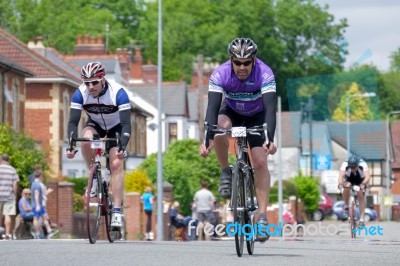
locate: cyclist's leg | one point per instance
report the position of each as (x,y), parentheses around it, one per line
(261,178)
(361,202)
(221,145)
(346,192)
(117,174)
(88,132)
(260,164)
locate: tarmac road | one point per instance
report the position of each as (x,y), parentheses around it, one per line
(338,249)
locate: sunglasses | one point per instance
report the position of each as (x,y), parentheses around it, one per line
(245,63)
(93,82)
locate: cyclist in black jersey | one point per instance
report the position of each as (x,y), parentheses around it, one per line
(108,109)
(354,172)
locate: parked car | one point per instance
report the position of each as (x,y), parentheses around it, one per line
(338,212)
(325,208)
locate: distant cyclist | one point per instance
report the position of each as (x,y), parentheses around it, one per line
(354,172)
(108,108)
(249,90)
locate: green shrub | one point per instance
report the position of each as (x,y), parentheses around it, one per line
(79,203)
(308,192)
(289,188)
(80,184)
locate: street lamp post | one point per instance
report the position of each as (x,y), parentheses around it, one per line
(388,158)
(365,95)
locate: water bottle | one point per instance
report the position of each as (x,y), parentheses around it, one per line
(106,175)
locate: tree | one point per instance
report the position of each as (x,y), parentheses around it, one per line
(184,168)
(358,106)
(23,152)
(60,26)
(288,33)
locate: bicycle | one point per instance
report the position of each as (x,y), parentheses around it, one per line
(353,206)
(243,197)
(100,207)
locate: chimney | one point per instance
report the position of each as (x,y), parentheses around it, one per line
(79,40)
(31,44)
(39,42)
(89,46)
(123,59)
(135,66)
(37,45)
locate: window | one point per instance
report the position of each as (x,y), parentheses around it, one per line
(172,132)
(72,173)
(375,171)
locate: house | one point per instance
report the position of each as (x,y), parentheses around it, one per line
(395,162)
(45,93)
(12,92)
(175,110)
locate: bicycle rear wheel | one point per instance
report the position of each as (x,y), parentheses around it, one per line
(250,209)
(113,233)
(238,206)
(93,205)
(353,224)
(107,210)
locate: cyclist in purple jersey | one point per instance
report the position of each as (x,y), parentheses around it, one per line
(249,90)
(108,108)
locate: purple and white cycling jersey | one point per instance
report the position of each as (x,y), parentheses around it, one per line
(243,96)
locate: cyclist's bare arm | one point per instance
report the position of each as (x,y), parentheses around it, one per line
(74,118)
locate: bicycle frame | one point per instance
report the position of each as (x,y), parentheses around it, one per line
(353,206)
(243,203)
(101,205)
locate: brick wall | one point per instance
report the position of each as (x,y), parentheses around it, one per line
(73,224)
(133,216)
(65,207)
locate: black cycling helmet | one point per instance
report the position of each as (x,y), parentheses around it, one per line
(93,69)
(353,161)
(242,48)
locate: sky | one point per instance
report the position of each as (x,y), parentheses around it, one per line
(373,31)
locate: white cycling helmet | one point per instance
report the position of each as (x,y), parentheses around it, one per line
(93,69)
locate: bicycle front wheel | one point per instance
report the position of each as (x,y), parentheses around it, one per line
(93,204)
(353,223)
(238,206)
(250,207)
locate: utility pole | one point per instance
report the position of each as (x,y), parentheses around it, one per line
(310,119)
(201,115)
(307,116)
(107,35)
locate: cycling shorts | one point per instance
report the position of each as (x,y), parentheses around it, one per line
(111,133)
(238,120)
